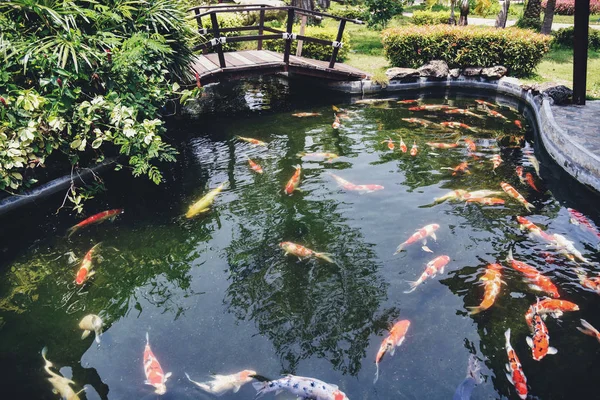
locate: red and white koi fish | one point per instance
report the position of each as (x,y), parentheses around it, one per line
(519,171)
(589,330)
(485,103)
(419,121)
(403,147)
(255,167)
(336,123)
(408,101)
(431,107)
(567,247)
(492,281)
(420,235)
(496,160)
(540,343)
(534,230)
(463,167)
(220,384)
(530,156)
(457,194)
(351,186)
(512,192)
(330,156)
(552,307)
(433,267)
(414,149)
(293,182)
(518,124)
(578,218)
(85,270)
(487,201)
(253,141)
(537,280)
(303,252)
(590,283)
(495,114)
(481,193)
(390,143)
(94,219)
(470,144)
(515,373)
(435,145)
(457,125)
(306,114)
(530,181)
(462,111)
(154,372)
(389,344)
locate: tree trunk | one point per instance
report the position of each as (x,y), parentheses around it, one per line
(503,14)
(324,4)
(307,5)
(548,17)
(464,12)
(452,20)
(533,10)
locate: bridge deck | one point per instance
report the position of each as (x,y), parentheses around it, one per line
(249,62)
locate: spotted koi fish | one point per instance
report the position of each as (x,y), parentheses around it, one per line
(457,125)
(496,161)
(419,121)
(304,388)
(462,111)
(253,141)
(492,281)
(154,372)
(414,149)
(433,267)
(512,192)
(306,114)
(351,186)
(85,270)
(255,167)
(487,201)
(95,219)
(534,230)
(537,281)
(420,235)
(514,369)
(485,103)
(435,145)
(470,144)
(540,342)
(403,147)
(431,107)
(578,218)
(303,252)
(389,344)
(552,307)
(293,182)
(390,143)
(589,330)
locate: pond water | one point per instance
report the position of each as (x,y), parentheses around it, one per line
(217,294)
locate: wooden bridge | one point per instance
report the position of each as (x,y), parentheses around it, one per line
(221,65)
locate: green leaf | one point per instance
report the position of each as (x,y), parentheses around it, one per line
(75,143)
(96,143)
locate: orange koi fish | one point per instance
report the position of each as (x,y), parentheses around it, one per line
(588,329)
(534,230)
(518,124)
(336,123)
(421,234)
(457,125)
(431,107)
(293,182)
(529,180)
(403,147)
(512,192)
(154,372)
(255,167)
(414,149)
(390,143)
(492,280)
(463,167)
(419,121)
(590,283)
(435,145)
(540,343)
(515,373)
(495,114)
(330,156)
(408,101)
(306,114)
(85,270)
(485,103)
(537,281)
(255,142)
(94,219)
(578,218)
(303,252)
(496,160)
(519,171)
(389,344)
(358,188)
(457,194)
(433,267)
(470,144)
(487,201)
(552,307)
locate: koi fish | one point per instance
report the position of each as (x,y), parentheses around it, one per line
(463,167)
(336,123)
(470,144)
(224,383)
(431,107)
(403,147)
(306,114)
(588,329)
(496,160)
(540,343)
(463,391)
(390,143)
(519,171)
(330,156)
(335,109)
(420,234)
(89,323)
(408,101)
(566,247)
(154,372)
(374,101)
(533,229)
(552,307)
(255,167)
(590,283)
(419,121)
(304,388)
(462,111)
(457,194)
(514,369)
(481,193)
(485,103)
(433,267)
(85,270)
(518,124)
(435,145)
(303,252)
(351,186)
(205,202)
(457,125)
(389,344)
(529,180)
(495,114)
(578,218)
(255,142)
(492,281)
(414,149)
(537,280)
(487,201)
(293,182)
(512,192)
(60,384)
(95,219)
(528,151)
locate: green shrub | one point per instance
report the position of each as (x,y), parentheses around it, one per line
(535,24)
(381,11)
(518,50)
(314,50)
(430,17)
(351,12)
(564,38)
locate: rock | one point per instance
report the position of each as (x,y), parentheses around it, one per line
(472,71)
(401,73)
(495,72)
(454,73)
(559,93)
(436,69)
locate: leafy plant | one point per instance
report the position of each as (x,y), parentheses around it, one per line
(381,11)
(314,50)
(564,37)
(430,17)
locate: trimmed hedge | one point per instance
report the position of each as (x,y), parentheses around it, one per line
(567,7)
(463,46)
(430,17)
(314,50)
(564,38)
(351,12)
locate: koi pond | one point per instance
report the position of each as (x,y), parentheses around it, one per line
(221,292)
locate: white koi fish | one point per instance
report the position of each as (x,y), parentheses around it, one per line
(224,383)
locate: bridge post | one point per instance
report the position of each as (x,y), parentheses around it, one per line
(261,24)
(338,40)
(217,35)
(301,42)
(288,42)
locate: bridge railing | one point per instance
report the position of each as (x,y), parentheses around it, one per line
(287,36)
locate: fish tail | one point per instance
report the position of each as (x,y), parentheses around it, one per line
(507,336)
(475,310)
(399,248)
(298,166)
(260,388)
(72,230)
(588,329)
(201,385)
(300,154)
(325,256)
(98,333)
(376,373)
(528,206)
(48,363)
(413,286)
(147,339)
(510,255)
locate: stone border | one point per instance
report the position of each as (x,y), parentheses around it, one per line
(574,158)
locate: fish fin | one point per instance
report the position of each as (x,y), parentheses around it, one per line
(529,341)
(441,270)
(91,273)
(97,338)
(510,379)
(147,339)
(147,382)
(413,286)
(325,256)
(474,310)
(510,255)
(507,367)
(260,388)
(528,206)
(167,376)
(433,236)
(535,287)
(392,351)
(236,388)
(201,385)
(399,248)
(507,335)
(72,230)
(589,329)
(552,350)
(427,249)
(376,373)
(85,334)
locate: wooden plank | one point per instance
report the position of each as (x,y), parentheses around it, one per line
(265,55)
(253,58)
(231,60)
(206,63)
(240,58)
(305,61)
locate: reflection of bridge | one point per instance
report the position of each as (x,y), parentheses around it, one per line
(237,64)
